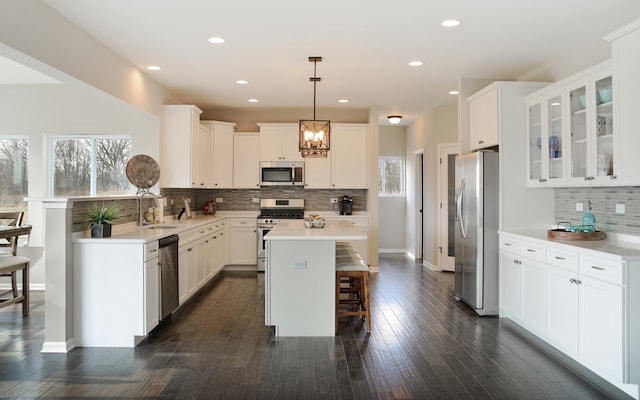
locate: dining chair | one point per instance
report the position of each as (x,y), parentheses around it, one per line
(10,246)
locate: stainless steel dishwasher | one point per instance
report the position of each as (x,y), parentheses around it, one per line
(168,261)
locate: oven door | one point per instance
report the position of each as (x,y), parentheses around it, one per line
(262,245)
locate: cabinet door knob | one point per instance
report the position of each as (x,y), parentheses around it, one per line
(612,177)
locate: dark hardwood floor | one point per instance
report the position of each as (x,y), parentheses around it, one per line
(424,345)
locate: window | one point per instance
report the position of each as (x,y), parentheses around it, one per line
(13,172)
(89,165)
(390,176)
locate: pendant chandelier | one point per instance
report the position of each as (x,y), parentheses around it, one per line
(314,134)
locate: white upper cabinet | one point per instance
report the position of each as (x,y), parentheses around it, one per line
(180,131)
(349,150)
(483,109)
(590,116)
(625,43)
(345,167)
(279,142)
(220,153)
(545,139)
(246,161)
(596,130)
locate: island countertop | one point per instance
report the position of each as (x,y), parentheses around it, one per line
(333,230)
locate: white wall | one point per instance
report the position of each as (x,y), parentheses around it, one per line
(392,209)
(39,111)
(432,128)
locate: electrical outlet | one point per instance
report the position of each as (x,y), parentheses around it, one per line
(171,201)
(219,200)
(579,207)
(256,200)
(300,264)
(620,208)
(334,200)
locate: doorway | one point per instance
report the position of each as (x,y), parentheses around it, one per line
(446,212)
(419,228)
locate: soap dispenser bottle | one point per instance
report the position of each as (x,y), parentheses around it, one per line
(588,220)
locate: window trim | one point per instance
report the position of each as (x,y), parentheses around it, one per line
(93,138)
(403,180)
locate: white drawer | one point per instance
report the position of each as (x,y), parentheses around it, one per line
(565,259)
(509,244)
(151,251)
(240,222)
(189,236)
(602,269)
(533,251)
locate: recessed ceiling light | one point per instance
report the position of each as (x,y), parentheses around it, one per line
(453,92)
(343,101)
(153,68)
(415,63)
(216,40)
(450,23)
(253,100)
(242,82)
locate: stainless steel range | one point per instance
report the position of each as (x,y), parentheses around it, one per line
(271,212)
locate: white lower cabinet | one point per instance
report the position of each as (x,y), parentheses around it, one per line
(600,320)
(532,288)
(577,301)
(243,242)
(510,278)
(562,309)
(151,294)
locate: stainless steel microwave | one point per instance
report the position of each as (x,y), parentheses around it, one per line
(282,173)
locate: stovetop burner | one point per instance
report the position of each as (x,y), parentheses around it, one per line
(272,210)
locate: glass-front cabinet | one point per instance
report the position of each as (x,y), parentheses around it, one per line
(545,130)
(590,111)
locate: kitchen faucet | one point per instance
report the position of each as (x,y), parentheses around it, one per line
(142,194)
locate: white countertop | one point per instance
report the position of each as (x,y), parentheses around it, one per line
(618,247)
(132,233)
(333,230)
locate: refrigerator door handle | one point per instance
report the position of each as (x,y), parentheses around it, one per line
(459,204)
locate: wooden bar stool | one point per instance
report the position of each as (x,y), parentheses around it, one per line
(10,264)
(351,270)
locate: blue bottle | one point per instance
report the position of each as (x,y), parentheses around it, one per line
(588,220)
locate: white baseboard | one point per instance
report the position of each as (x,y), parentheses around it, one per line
(402,251)
(58,347)
(32,287)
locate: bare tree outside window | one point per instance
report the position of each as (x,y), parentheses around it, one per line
(390,176)
(90,166)
(14,151)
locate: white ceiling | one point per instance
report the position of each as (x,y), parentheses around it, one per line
(366,46)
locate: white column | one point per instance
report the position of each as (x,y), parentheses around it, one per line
(58,308)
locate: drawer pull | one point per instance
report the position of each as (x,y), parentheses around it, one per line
(559,258)
(597,268)
(531,250)
(154,251)
(508,244)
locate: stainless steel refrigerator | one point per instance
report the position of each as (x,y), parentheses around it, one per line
(476,237)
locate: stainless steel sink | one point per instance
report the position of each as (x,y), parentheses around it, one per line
(162,226)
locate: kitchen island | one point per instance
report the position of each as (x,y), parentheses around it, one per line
(300,276)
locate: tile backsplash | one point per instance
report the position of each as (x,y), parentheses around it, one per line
(603,203)
(242,199)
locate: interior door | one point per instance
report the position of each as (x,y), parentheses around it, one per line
(446,199)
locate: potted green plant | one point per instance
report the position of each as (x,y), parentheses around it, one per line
(101,218)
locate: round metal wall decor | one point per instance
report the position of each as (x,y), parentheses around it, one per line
(143,171)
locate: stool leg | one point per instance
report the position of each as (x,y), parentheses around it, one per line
(366,300)
(338,278)
(25,290)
